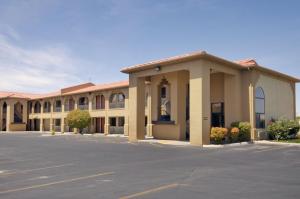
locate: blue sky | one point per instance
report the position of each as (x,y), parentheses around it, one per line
(52,43)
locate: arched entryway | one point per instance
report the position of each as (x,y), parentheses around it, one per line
(4,115)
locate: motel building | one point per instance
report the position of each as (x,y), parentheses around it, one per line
(178,98)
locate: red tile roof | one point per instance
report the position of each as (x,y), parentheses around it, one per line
(82,88)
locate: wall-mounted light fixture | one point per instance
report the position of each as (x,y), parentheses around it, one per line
(157,68)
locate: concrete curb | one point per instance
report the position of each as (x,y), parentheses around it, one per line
(276,143)
(227,145)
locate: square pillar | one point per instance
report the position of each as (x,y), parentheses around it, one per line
(136,108)
(8,115)
(200,113)
(149,107)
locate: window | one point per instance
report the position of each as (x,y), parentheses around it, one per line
(47,107)
(217,115)
(117,100)
(83,103)
(121,121)
(113,121)
(260,108)
(164,101)
(100,102)
(37,107)
(18,113)
(57,106)
(57,122)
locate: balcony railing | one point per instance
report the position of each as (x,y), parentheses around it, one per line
(116,129)
(117,105)
(57,128)
(98,107)
(83,106)
(69,108)
(57,109)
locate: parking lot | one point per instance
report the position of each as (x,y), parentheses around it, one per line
(33,165)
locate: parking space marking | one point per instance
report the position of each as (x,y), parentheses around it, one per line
(55,183)
(36,169)
(149,191)
(15,161)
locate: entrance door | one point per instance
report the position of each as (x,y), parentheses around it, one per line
(102,123)
(98,125)
(217,115)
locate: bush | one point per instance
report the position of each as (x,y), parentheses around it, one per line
(218,134)
(52,132)
(234,133)
(283,129)
(244,130)
(78,119)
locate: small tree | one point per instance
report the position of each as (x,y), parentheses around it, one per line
(78,119)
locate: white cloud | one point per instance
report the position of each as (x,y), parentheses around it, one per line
(35,70)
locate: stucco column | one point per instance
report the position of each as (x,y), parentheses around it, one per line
(252,111)
(8,115)
(149,107)
(136,108)
(41,117)
(1,106)
(106,124)
(90,97)
(126,117)
(200,105)
(51,116)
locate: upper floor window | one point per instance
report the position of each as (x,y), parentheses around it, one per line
(57,107)
(83,103)
(260,107)
(37,107)
(117,100)
(47,107)
(99,102)
(69,104)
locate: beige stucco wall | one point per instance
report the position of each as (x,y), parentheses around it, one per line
(279,97)
(11,126)
(108,112)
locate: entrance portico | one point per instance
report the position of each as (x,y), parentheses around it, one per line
(182,93)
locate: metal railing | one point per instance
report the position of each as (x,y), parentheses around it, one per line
(117,105)
(57,109)
(116,129)
(83,106)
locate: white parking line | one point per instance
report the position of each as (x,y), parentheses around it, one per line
(54,183)
(37,169)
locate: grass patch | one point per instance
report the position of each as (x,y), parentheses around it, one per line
(290,141)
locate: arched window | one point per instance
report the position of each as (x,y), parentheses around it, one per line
(69,104)
(83,103)
(260,107)
(37,107)
(164,101)
(117,100)
(18,113)
(47,107)
(30,107)
(57,106)
(99,102)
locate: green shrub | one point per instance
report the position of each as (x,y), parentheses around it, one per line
(283,129)
(245,130)
(78,119)
(218,134)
